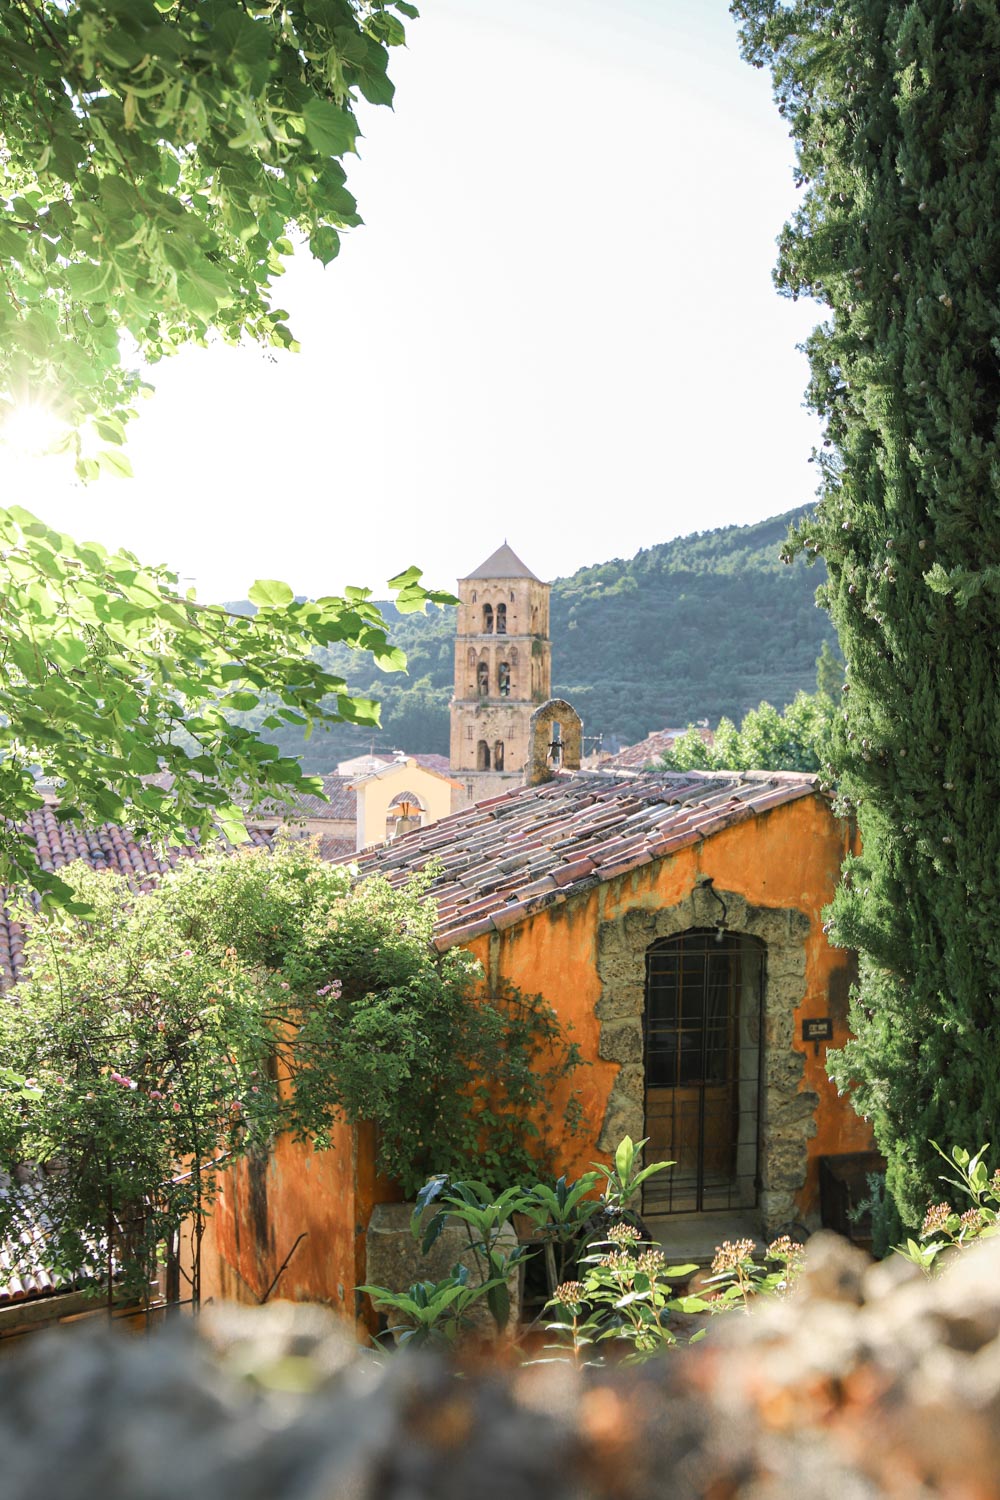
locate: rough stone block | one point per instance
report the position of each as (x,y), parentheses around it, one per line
(618,1000)
(631,1084)
(621,1041)
(622,1117)
(638,925)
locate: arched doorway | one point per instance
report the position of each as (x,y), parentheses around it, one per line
(701,1040)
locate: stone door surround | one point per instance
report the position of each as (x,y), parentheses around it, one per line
(787,1112)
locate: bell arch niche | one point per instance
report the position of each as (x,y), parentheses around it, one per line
(555,737)
(405,811)
(785,1111)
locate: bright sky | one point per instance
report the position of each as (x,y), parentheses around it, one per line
(557,325)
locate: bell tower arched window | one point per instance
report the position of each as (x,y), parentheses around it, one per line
(483,679)
(501,619)
(498,756)
(487,619)
(482,756)
(503,679)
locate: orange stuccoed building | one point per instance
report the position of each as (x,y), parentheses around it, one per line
(674,920)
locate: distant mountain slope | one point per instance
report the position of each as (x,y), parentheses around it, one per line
(700,627)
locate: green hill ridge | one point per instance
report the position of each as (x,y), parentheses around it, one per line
(703,626)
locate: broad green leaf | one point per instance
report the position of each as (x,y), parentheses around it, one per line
(269,593)
(89,282)
(498,1301)
(329,130)
(624,1157)
(690,1304)
(115,464)
(324,243)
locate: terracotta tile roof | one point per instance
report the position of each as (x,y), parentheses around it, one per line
(342,801)
(512,855)
(439,763)
(25,1262)
(105,848)
(336,850)
(649,750)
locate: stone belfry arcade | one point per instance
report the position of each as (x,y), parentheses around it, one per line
(503,671)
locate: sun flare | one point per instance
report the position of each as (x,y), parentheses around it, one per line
(30,429)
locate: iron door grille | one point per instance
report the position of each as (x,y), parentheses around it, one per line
(702,1071)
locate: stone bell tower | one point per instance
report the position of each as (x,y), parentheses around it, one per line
(503,671)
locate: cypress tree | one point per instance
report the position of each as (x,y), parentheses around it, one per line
(895,109)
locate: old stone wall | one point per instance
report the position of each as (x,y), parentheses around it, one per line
(867,1382)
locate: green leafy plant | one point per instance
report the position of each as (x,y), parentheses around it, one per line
(484,1216)
(887,237)
(796,739)
(158,157)
(626,1175)
(624,1296)
(560,1215)
(436,1312)
(149,1075)
(946,1229)
(108,674)
(624,1301)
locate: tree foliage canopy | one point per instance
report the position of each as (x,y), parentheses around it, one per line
(893,104)
(157,157)
(797,739)
(108,675)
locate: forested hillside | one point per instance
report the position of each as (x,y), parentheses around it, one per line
(697,628)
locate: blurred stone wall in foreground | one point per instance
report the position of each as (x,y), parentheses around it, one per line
(870,1381)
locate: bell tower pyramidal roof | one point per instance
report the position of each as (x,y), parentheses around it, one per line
(503,563)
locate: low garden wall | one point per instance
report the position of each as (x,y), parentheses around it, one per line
(868,1381)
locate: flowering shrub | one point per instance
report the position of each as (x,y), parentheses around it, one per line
(624,1296)
(737,1275)
(171,1033)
